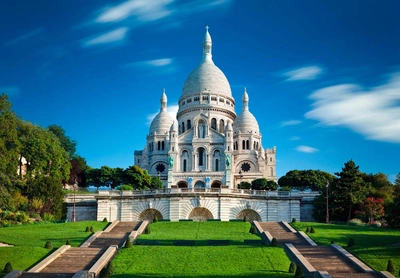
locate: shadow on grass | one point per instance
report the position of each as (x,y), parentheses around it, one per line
(151,242)
(266,274)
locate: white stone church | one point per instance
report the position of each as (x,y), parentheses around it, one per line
(208,145)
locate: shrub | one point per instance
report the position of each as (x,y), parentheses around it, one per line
(390,266)
(299,272)
(292,267)
(274,242)
(253,230)
(245,219)
(332,242)
(308,229)
(105,219)
(48,245)
(147,230)
(104,273)
(47,217)
(155,220)
(312,230)
(110,267)
(294,220)
(128,243)
(351,242)
(87,229)
(91,230)
(68,242)
(7,268)
(356,222)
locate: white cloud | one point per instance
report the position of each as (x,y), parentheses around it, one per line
(10,90)
(306,149)
(291,122)
(171,109)
(305,73)
(164,63)
(294,138)
(374,112)
(158,62)
(116,35)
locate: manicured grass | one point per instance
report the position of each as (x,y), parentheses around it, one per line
(29,241)
(235,260)
(374,246)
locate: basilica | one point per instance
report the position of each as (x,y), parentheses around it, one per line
(208,145)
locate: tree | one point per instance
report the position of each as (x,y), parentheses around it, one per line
(372,208)
(349,188)
(263,184)
(137,177)
(392,213)
(156,183)
(66,142)
(244,185)
(302,179)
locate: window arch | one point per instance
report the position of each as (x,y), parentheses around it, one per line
(188,124)
(159,145)
(201,129)
(221,126)
(184,165)
(183,127)
(236,146)
(201,156)
(243,145)
(214,123)
(247,145)
(162,145)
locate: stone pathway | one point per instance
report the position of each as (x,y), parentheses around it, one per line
(83,258)
(322,258)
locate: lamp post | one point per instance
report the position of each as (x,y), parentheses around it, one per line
(74,210)
(327,202)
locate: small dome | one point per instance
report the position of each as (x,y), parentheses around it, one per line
(174,126)
(163,121)
(245,121)
(206,76)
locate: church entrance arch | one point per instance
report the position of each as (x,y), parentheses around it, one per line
(216,184)
(149,215)
(200,214)
(182,184)
(250,215)
(199,184)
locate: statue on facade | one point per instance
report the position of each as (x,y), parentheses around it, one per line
(170,162)
(228,161)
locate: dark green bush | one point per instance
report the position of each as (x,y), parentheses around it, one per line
(104,273)
(110,267)
(308,229)
(87,229)
(128,243)
(253,230)
(147,230)
(68,242)
(48,245)
(91,230)
(390,266)
(105,219)
(7,268)
(292,267)
(332,242)
(274,242)
(155,220)
(351,242)
(299,272)
(312,230)
(294,220)
(245,219)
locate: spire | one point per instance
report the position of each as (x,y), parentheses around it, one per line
(207,45)
(163,101)
(245,101)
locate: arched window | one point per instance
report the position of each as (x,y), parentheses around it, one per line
(159,145)
(201,156)
(184,165)
(221,126)
(189,124)
(247,145)
(183,127)
(213,123)
(217,165)
(162,145)
(254,145)
(257,145)
(243,145)
(236,145)
(201,129)
(152,146)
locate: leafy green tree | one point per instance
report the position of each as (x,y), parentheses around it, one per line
(137,177)
(349,189)
(302,179)
(156,183)
(244,185)
(264,184)
(66,142)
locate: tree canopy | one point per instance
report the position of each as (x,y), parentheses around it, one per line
(302,179)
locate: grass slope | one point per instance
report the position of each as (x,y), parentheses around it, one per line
(235,260)
(374,246)
(29,241)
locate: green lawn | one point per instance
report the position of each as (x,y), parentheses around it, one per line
(29,241)
(374,246)
(235,260)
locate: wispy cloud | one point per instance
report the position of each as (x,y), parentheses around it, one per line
(304,73)
(291,122)
(306,149)
(25,36)
(294,138)
(151,63)
(10,90)
(116,35)
(372,112)
(171,109)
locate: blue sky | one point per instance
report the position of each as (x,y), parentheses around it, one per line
(323,77)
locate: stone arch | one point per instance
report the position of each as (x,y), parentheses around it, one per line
(216,184)
(199,184)
(250,214)
(200,214)
(149,214)
(182,184)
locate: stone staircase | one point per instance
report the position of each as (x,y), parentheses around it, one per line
(83,258)
(322,258)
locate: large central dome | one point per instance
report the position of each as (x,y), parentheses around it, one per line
(206,77)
